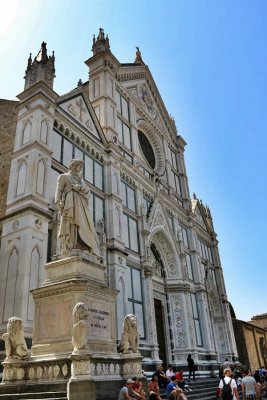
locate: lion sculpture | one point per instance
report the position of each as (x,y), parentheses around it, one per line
(15,344)
(130,337)
(79,332)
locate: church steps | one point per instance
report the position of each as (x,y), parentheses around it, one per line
(35,396)
(202,389)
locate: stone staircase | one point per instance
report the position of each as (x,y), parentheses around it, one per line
(202,389)
(34,392)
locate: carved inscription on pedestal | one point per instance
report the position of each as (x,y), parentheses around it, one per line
(99,320)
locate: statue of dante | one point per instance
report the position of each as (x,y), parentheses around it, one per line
(76,229)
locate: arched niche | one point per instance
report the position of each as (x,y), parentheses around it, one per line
(34,279)
(11,284)
(22,174)
(40,181)
(26,132)
(44,131)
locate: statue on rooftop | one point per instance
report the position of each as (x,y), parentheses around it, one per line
(138,56)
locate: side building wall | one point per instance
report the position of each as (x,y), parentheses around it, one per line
(8,121)
(251,344)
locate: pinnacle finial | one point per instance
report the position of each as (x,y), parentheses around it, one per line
(44,51)
(101,43)
(44,68)
(101,35)
(29,62)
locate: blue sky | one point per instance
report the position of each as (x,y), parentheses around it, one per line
(209,61)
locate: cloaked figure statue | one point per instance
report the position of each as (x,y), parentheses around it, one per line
(76,230)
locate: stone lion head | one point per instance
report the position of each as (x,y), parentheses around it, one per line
(80,312)
(130,322)
(15,327)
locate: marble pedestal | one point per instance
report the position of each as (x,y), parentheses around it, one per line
(91,372)
(78,278)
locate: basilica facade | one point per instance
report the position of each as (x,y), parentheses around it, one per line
(158,243)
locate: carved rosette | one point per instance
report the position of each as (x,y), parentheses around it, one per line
(107,368)
(132,368)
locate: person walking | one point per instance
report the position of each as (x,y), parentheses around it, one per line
(191,367)
(249,386)
(227,386)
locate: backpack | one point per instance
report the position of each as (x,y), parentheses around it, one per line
(227,391)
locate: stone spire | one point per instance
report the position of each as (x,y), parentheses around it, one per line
(42,68)
(101,43)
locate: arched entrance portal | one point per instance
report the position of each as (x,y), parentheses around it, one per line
(161,334)
(165,265)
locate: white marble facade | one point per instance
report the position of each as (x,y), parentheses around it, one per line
(159,245)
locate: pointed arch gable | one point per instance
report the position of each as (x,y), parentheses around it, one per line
(167,252)
(80,110)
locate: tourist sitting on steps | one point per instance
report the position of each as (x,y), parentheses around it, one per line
(181,382)
(136,391)
(153,388)
(163,380)
(125,391)
(170,372)
(174,392)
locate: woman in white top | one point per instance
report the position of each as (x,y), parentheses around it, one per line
(169,371)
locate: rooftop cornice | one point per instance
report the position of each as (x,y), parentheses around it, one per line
(37,88)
